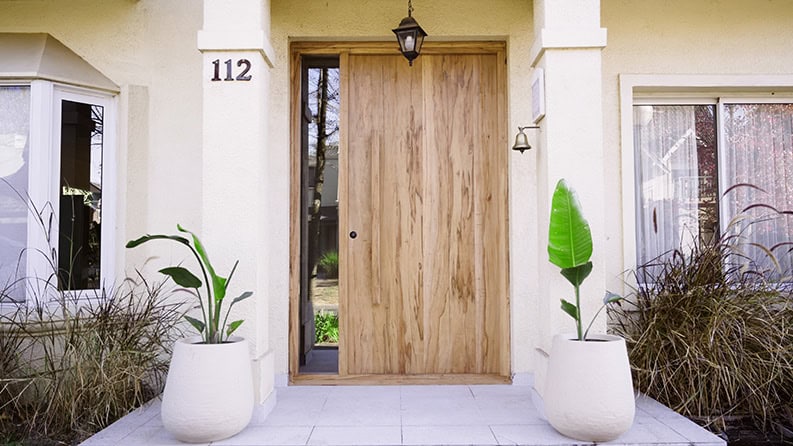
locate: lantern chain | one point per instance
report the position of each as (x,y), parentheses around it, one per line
(410,8)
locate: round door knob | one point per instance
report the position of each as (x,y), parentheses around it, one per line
(353,234)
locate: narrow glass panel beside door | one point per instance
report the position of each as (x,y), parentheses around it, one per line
(320,219)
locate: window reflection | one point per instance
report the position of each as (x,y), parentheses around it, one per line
(320,219)
(679,174)
(80,195)
(14,172)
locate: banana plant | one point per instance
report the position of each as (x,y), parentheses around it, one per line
(570,248)
(210,327)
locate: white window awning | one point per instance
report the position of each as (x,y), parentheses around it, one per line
(41,56)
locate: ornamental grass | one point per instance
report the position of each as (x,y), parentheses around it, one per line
(711,336)
(72,366)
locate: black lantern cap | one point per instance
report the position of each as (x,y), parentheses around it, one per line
(410,36)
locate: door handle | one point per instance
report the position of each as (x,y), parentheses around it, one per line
(353,234)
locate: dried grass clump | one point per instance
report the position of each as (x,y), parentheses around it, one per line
(710,337)
(72,366)
(72,362)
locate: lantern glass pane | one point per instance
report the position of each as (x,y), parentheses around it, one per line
(419,40)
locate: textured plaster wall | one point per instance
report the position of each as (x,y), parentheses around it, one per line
(148,48)
(682,37)
(509,20)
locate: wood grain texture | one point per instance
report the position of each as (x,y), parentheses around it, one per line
(294,214)
(424,288)
(498,267)
(370,335)
(376,380)
(449,230)
(429,184)
(400,217)
(390,48)
(492,216)
(344,219)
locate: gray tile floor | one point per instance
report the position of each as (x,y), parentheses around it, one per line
(408,415)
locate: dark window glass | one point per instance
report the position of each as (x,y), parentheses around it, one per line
(80,196)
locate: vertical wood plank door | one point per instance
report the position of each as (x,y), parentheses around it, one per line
(424,219)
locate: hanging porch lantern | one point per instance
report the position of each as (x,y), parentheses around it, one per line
(410,36)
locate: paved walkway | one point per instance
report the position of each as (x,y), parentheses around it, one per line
(408,415)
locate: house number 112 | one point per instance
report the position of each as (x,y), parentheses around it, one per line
(243,75)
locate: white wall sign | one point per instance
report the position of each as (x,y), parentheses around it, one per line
(537,95)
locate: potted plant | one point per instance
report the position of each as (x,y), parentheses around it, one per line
(208,392)
(589,392)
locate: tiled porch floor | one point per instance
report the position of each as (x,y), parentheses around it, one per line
(409,415)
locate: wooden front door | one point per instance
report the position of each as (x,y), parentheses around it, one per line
(423,207)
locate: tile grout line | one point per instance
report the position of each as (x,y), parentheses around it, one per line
(401,421)
(121,440)
(308,439)
(497,442)
(137,425)
(671,426)
(321,410)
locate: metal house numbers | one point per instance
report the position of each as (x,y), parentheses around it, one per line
(244,66)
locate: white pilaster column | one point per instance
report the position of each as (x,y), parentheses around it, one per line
(237,58)
(567,47)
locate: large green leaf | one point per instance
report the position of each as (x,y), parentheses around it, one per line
(569,236)
(577,274)
(198,325)
(218,283)
(182,276)
(233,327)
(570,309)
(240,298)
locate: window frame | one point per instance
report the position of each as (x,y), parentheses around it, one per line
(674,89)
(44,179)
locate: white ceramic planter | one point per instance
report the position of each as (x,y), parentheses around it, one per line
(588,389)
(209,390)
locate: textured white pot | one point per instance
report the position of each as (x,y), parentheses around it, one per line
(209,390)
(588,389)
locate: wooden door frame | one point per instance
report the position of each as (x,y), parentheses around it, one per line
(297,51)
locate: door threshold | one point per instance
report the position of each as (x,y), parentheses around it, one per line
(324,379)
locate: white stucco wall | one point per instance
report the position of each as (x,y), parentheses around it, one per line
(721,37)
(147,48)
(509,20)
